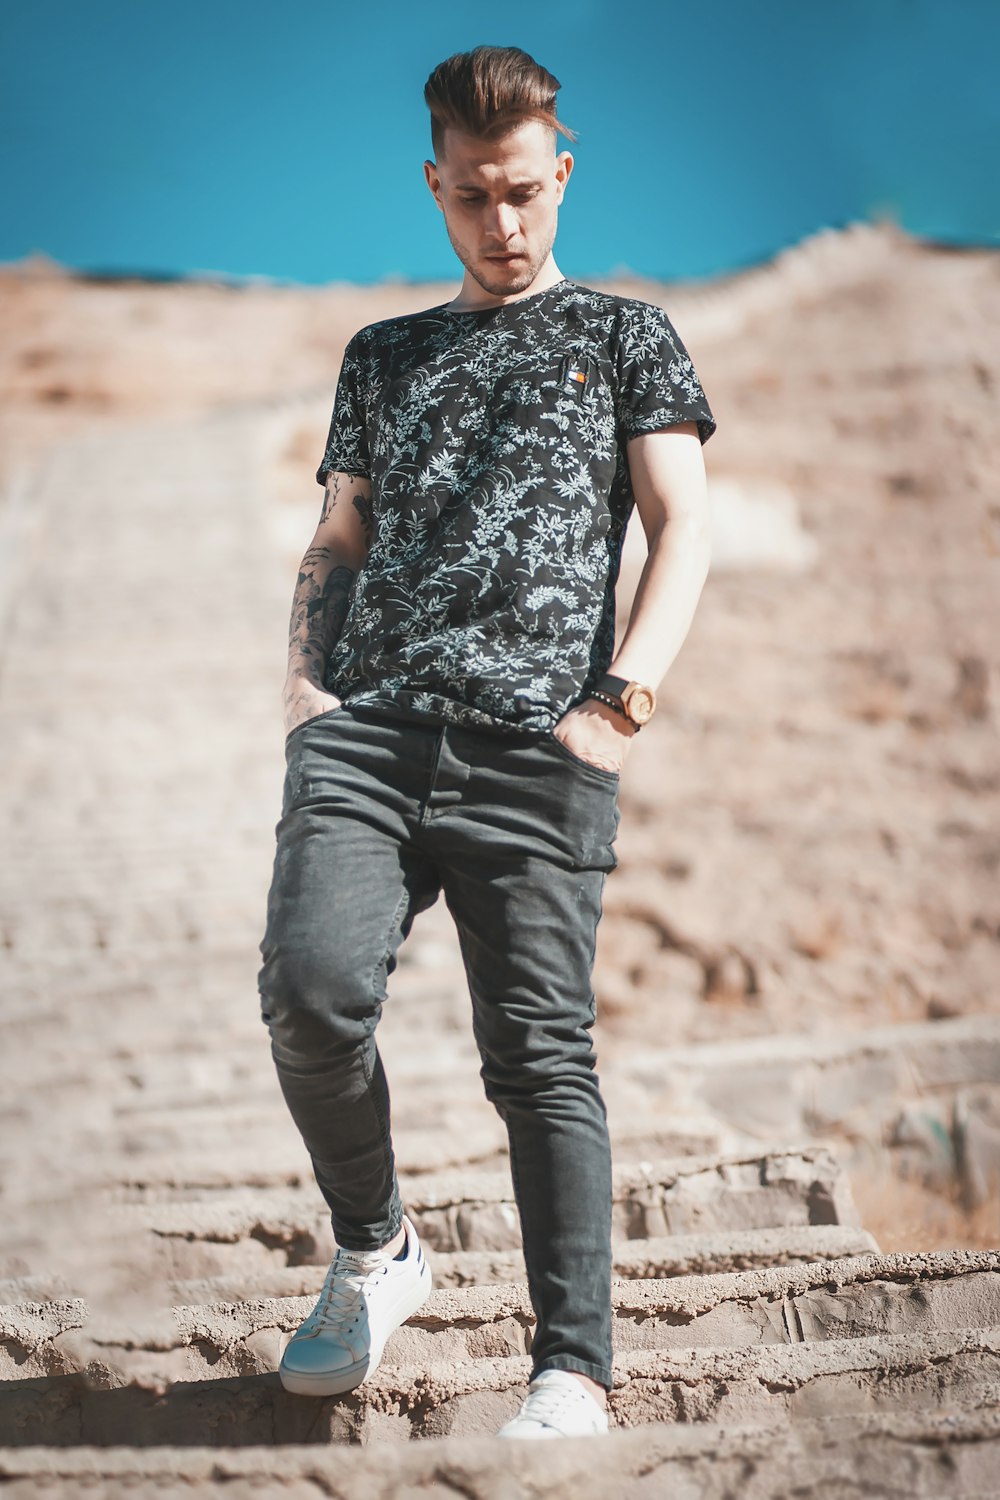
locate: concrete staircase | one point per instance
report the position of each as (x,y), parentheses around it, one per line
(162,1234)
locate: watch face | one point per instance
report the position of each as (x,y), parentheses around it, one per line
(641,702)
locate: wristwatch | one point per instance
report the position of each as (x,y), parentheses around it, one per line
(633,699)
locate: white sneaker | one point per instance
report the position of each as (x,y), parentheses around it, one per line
(557,1405)
(366,1296)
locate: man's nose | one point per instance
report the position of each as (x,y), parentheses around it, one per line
(505,221)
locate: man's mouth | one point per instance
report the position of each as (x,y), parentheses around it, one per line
(512,255)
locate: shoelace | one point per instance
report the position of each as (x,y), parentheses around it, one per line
(340,1301)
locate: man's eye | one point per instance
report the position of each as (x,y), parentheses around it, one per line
(472,199)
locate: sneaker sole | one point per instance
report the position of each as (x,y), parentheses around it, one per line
(338,1382)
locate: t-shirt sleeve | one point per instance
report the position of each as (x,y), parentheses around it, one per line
(657,383)
(347,440)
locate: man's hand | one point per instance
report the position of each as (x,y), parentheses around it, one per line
(596,732)
(304,700)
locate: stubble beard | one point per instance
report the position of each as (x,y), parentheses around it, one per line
(492,278)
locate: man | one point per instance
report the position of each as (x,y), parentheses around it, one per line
(458,720)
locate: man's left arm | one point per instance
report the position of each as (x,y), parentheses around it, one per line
(671,497)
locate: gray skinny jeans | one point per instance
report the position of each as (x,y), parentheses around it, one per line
(379,815)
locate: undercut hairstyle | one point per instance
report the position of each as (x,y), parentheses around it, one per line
(488,91)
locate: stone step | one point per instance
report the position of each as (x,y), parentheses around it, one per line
(679,1255)
(213,1233)
(159,1118)
(741,1189)
(799,1085)
(33,1335)
(216,1123)
(922,1455)
(850,1298)
(951,1371)
(215,1117)
(215,1102)
(261,1159)
(272,1155)
(224,1066)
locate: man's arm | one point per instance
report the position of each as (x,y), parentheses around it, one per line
(327,572)
(671,497)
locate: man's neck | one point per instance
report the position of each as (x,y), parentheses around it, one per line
(474,298)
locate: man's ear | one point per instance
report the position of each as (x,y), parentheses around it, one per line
(564,166)
(433,182)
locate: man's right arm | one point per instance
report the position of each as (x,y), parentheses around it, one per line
(322,591)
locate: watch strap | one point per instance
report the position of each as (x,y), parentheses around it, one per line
(616,703)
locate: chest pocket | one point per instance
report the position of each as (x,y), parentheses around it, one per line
(576,375)
(552,390)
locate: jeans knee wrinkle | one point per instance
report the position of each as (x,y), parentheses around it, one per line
(306,1028)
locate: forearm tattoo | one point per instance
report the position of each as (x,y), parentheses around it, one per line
(323,587)
(319,608)
(363,506)
(330,496)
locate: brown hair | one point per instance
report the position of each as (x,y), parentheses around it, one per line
(489,91)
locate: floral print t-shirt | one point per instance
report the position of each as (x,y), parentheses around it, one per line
(495,443)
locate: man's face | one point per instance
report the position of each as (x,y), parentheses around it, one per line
(500,202)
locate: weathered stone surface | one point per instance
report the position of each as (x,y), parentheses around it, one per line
(674,1255)
(206,1233)
(29,1335)
(739,1191)
(935,1371)
(797,1086)
(919,1456)
(855,1297)
(850,1298)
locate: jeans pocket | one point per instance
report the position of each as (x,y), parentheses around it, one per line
(314,719)
(577,760)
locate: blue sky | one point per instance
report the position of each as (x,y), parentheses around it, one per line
(286,140)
